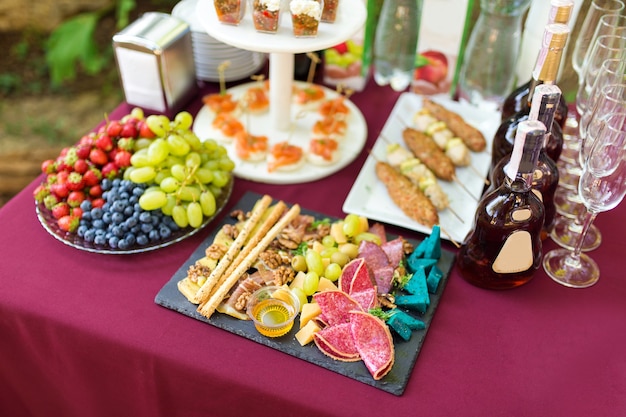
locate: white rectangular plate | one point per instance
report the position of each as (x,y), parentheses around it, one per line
(368,196)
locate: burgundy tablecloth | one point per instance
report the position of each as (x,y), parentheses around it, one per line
(80,334)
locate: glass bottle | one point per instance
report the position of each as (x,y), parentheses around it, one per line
(546,175)
(560,12)
(503,248)
(545,72)
(395,43)
(487,72)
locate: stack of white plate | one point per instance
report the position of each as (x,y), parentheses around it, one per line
(209,53)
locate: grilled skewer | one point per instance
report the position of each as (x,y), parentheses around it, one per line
(472,137)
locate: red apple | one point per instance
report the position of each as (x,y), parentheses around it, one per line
(431,66)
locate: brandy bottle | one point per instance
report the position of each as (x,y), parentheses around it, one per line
(546,175)
(545,72)
(503,248)
(518,99)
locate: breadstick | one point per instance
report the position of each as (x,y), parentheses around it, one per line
(203,293)
(209,307)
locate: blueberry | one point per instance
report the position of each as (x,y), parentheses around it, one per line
(106,217)
(130,222)
(128,211)
(154,235)
(146,227)
(96,213)
(145,217)
(99,240)
(105,184)
(142,239)
(123,244)
(90,235)
(113,241)
(85,205)
(81,230)
(164,231)
(130,238)
(117,218)
(98,224)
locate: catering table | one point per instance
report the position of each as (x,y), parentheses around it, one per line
(80,334)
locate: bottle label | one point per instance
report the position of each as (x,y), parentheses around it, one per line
(538,194)
(521,215)
(516,254)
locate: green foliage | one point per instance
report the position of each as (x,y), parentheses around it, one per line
(72,43)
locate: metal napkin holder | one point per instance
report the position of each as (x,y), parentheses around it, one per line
(155,62)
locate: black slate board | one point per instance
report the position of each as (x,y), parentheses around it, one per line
(405,352)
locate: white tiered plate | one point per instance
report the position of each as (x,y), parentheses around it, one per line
(350,146)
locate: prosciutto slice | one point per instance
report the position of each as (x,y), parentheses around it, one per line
(373,342)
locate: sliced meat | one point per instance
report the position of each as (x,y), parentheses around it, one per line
(337,342)
(336,306)
(373,342)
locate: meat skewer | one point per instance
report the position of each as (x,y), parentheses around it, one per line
(408,197)
(472,137)
(402,159)
(427,151)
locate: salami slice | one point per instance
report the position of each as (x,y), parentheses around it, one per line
(380,267)
(373,342)
(337,342)
(379,230)
(394,249)
(347,274)
(355,277)
(336,306)
(366,298)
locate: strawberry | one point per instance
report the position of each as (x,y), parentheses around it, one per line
(122,158)
(144,130)
(61,165)
(74,198)
(81,166)
(68,223)
(40,193)
(97,202)
(86,140)
(48,166)
(75,181)
(60,190)
(50,201)
(82,151)
(62,176)
(60,209)
(104,142)
(129,130)
(92,177)
(114,128)
(98,156)
(95,190)
(76,211)
(110,170)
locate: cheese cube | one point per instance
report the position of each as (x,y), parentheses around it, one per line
(305,334)
(309,311)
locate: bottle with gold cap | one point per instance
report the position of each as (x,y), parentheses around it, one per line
(545,72)
(560,12)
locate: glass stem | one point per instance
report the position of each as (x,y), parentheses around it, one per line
(589,218)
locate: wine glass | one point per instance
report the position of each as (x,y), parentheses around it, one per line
(602,187)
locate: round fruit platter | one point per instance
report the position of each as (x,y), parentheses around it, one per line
(78,241)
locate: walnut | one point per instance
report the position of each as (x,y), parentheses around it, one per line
(238,214)
(198,270)
(230,230)
(407,247)
(289,238)
(283,275)
(242,301)
(387,300)
(216,251)
(271,259)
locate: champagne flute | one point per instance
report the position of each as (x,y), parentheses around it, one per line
(584,41)
(602,187)
(612,98)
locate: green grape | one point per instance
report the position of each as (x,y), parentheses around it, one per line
(216,191)
(127,171)
(329,241)
(169,184)
(142,175)
(311,282)
(192,140)
(158,151)
(189,193)
(177,145)
(220,178)
(193,160)
(314,262)
(370,237)
(140,158)
(349,249)
(172,160)
(141,143)
(179,172)
(339,258)
(351,225)
(183,120)
(194,214)
(226,164)
(179,214)
(203,175)
(211,165)
(299,292)
(169,205)
(298,263)
(137,113)
(210,145)
(332,271)
(152,200)
(207,202)
(328,252)
(162,174)
(159,124)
